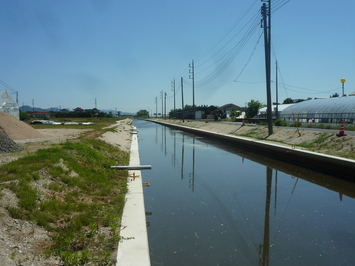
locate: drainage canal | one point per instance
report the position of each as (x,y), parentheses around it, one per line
(213,204)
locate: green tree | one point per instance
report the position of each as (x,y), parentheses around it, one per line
(253,108)
(24,116)
(142,113)
(234,113)
(334,95)
(287,101)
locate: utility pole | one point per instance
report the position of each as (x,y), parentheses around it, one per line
(156,106)
(277,93)
(162,105)
(165,105)
(192,76)
(182,99)
(266,24)
(173,89)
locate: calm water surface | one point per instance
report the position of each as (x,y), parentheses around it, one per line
(212,204)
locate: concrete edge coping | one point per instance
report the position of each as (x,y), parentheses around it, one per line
(133,248)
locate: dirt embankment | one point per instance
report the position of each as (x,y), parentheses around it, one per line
(23,242)
(327,143)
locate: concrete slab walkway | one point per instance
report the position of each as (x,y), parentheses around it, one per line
(133,249)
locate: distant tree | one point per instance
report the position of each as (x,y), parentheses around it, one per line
(207,109)
(188,107)
(287,101)
(334,95)
(24,116)
(253,108)
(234,113)
(142,113)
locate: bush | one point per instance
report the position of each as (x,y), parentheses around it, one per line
(280,122)
(296,124)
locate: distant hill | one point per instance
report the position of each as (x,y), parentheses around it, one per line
(26,108)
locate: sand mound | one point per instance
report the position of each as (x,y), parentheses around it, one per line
(17,129)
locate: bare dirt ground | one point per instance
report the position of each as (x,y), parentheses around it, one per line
(23,242)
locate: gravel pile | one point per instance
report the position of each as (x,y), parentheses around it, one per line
(8,145)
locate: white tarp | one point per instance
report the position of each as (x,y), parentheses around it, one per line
(8,105)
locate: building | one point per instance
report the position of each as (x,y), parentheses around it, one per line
(280,109)
(8,105)
(329,110)
(40,114)
(228,107)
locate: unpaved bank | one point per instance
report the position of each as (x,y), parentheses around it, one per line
(326,143)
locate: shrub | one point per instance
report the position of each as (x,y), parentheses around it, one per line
(280,122)
(296,124)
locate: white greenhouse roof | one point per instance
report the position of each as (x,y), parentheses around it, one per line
(337,107)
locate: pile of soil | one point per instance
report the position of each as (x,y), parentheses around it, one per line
(13,129)
(17,129)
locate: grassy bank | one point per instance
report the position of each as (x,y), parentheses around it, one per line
(70,190)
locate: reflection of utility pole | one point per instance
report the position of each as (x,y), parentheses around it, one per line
(182,99)
(266,242)
(266,23)
(193,166)
(165,152)
(182,156)
(174,155)
(275,190)
(192,76)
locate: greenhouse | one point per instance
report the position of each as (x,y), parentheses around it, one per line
(329,110)
(8,105)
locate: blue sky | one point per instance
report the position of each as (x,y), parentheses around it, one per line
(66,53)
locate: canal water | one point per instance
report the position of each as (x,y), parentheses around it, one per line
(214,204)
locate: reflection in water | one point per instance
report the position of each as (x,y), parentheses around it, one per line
(221,214)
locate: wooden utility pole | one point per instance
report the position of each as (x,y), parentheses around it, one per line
(182,99)
(156,107)
(173,89)
(266,13)
(165,105)
(277,94)
(192,76)
(162,104)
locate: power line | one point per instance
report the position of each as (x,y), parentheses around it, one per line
(7,86)
(230,55)
(256,17)
(257,42)
(278,4)
(228,32)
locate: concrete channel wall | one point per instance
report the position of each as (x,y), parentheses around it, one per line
(331,165)
(133,249)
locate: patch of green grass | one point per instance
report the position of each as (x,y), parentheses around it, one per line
(322,137)
(83,194)
(252,134)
